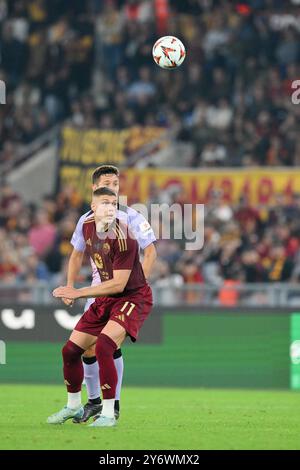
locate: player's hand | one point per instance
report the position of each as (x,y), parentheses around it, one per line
(68,302)
(66,292)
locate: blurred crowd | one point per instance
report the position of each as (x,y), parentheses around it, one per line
(90,62)
(242,244)
(46,61)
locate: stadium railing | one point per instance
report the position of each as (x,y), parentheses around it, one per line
(237,295)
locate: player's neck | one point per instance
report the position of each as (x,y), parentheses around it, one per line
(100,226)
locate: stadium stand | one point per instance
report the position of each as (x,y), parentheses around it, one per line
(87,64)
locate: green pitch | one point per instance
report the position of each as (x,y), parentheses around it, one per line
(155,418)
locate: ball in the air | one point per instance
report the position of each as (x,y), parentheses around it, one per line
(168,52)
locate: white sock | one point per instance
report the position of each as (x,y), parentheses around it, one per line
(92,381)
(119,363)
(108,409)
(74,400)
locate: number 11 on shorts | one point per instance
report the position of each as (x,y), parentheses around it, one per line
(130,308)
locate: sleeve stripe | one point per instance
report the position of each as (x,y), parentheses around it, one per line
(122,235)
(88,221)
(121,238)
(115,231)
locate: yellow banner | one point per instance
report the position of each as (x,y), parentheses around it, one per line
(82,151)
(260,185)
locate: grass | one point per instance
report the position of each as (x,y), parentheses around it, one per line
(154,418)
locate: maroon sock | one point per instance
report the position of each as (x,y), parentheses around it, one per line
(105,348)
(73,369)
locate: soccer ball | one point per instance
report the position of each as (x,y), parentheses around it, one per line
(168,52)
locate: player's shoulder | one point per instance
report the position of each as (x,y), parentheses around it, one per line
(139,225)
(85,216)
(122,209)
(133,213)
(123,238)
(122,226)
(130,216)
(88,217)
(126,211)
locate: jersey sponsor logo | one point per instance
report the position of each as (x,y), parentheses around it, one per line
(145,226)
(98,261)
(106,248)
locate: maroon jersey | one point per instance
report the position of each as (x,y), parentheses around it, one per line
(115,250)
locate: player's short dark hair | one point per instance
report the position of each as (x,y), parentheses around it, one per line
(104,192)
(105,170)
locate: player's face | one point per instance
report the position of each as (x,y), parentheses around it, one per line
(110,181)
(105,208)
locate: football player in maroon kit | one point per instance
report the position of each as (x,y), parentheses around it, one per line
(123,302)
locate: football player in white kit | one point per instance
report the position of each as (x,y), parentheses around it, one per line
(106,176)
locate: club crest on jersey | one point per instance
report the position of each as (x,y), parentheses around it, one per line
(98,261)
(105,275)
(106,248)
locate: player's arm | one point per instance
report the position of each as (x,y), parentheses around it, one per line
(115,285)
(146,239)
(76,257)
(74,266)
(150,256)
(122,266)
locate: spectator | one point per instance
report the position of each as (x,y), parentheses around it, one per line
(192,275)
(165,282)
(279,267)
(42,234)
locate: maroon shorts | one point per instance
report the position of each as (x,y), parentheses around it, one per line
(130,311)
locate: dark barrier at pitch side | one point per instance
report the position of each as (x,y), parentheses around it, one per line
(182,347)
(33,323)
